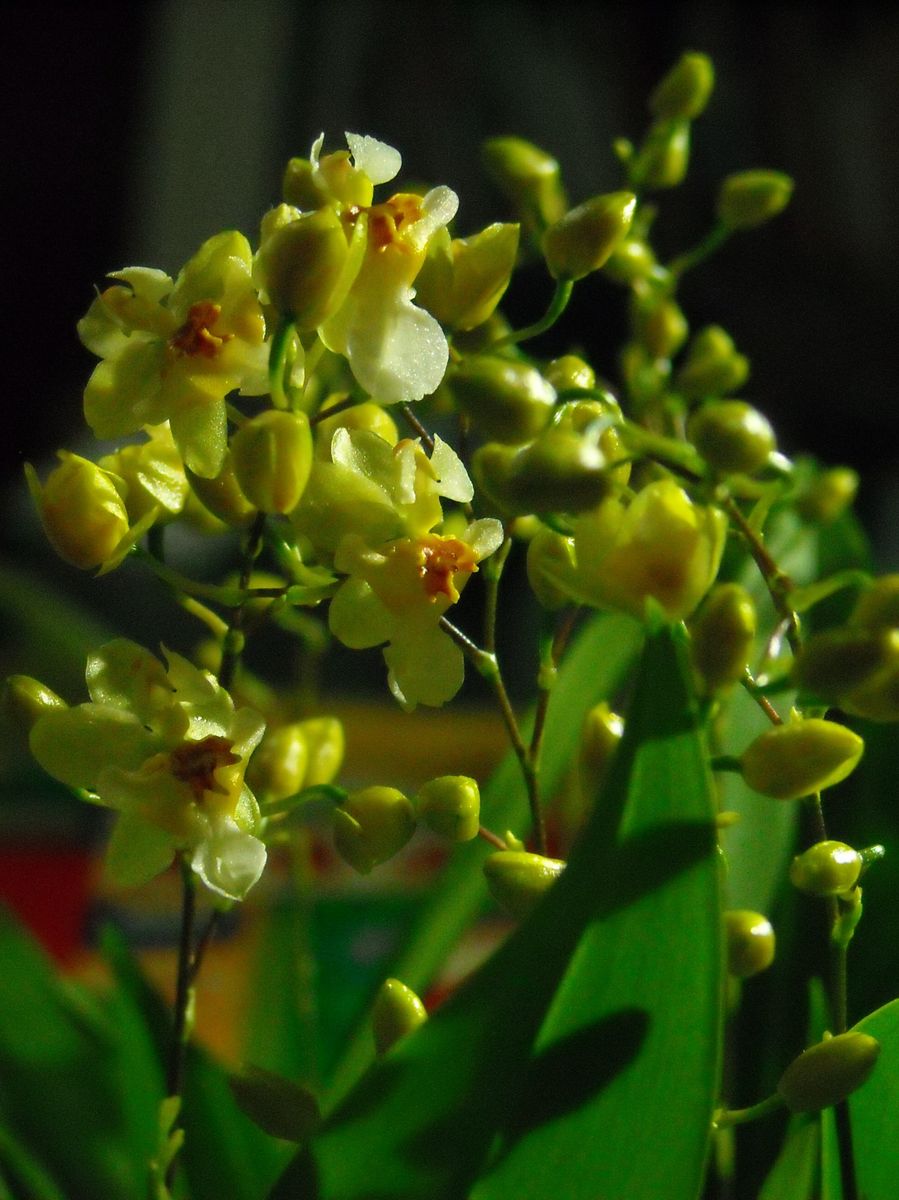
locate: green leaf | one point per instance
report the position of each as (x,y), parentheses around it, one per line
(592,670)
(873,1110)
(20,1166)
(224,1153)
(76,1081)
(421,1123)
(633,1032)
(794,1175)
(282,1108)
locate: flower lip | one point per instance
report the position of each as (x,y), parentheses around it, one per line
(196,764)
(443,558)
(195,337)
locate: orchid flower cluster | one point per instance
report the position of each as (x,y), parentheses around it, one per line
(345,399)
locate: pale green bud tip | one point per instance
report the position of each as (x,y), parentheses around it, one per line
(801,757)
(585,237)
(827,1073)
(396,1011)
(826,869)
(685,90)
(25,699)
(750,942)
(751,198)
(272,457)
(451,807)
(278,767)
(732,436)
(372,825)
(602,731)
(518,879)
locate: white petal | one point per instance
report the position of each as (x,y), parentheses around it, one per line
(396,351)
(377,160)
(229,861)
(315,152)
(437,209)
(484,536)
(451,474)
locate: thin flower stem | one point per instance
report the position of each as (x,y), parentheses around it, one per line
(492,572)
(277,363)
(847,1157)
(232,646)
(557,306)
(183,984)
(228,597)
(725,1117)
(749,683)
(779,584)
(324,413)
(494,839)
(692,258)
(487,666)
(546,678)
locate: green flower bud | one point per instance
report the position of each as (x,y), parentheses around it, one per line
(835,663)
(685,90)
(878,606)
(82,509)
(602,731)
(559,472)
(582,240)
(303,265)
(507,401)
(518,880)
(550,557)
(722,635)
(272,458)
(569,371)
(222,496)
(751,198)
(25,699)
(451,806)
(325,743)
(826,869)
(491,470)
(827,1073)
(828,495)
(528,176)
(799,758)
(298,187)
(396,1011)
(661,326)
(631,261)
(591,418)
(664,157)
(750,942)
(712,366)
(371,826)
(278,767)
(367,415)
(731,436)
(463,280)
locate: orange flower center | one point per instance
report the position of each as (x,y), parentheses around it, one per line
(442,559)
(195,763)
(195,337)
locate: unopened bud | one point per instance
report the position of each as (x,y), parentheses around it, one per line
(396,1011)
(685,90)
(325,743)
(451,806)
(827,1073)
(298,186)
(660,326)
(527,176)
(278,767)
(569,371)
(878,606)
(732,436)
(630,261)
(272,458)
(712,366)
(601,733)
(518,880)
(750,942)
(222,496)
(664,156)
(506,401)
(550,558)
(372,825)
(368,415)
(828,495)
(800,758)
(25,699)
(303,266)
(834,663)
(462,282)
(582,240)
(559,472)
(826,869)
(722,635)
(82,510)
(751,198)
